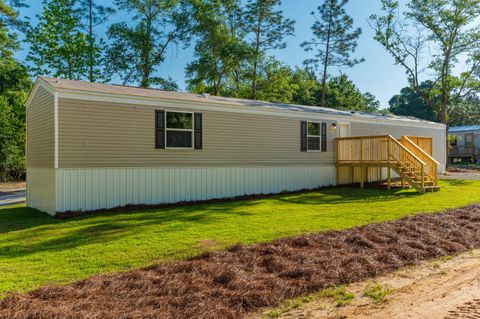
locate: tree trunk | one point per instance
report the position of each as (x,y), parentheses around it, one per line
(147,49)
(325,63)
(254,81)
(69,69)
(445,88)
(256,56)
(91,40)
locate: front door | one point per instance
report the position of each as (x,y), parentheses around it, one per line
(343,130)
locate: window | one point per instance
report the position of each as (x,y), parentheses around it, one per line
(179,130)
(314,136)
(469,140)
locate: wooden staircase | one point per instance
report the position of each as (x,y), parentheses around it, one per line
(412,164)
(420,171)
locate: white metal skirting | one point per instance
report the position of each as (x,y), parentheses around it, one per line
(41,189)
(97,188)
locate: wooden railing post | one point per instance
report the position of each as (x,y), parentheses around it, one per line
(389,186)
(361,150)
(337,169)
(423,176)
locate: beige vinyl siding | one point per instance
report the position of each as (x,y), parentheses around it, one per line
(41,131)
(102,134)
(438,135)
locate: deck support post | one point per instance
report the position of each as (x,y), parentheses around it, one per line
(366,174)
(362,178)
(403,183)
(337,176)
(389,179)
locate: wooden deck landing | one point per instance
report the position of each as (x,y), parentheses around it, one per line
(364,158)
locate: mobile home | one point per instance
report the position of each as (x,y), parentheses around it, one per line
(464,144)
(93,146)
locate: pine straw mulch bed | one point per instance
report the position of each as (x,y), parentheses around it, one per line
(229,284)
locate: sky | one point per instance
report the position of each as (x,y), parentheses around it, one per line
(377,74)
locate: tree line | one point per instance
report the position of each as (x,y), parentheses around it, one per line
(233,43)
(231,39)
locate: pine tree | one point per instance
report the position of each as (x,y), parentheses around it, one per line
(333,38)
(137,51)
(268,28)
(95,15)
(8,22)
(14,85)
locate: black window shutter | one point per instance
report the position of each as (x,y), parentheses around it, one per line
(303,136)
(198,131)
(324,137)
(159,129)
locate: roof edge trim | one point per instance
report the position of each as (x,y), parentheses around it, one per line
(39,83)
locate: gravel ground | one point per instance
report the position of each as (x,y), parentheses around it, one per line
(469,175)
(12,193)
(10,198)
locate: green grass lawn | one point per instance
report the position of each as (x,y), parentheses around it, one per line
(36,249)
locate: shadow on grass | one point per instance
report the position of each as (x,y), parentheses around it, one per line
(18,218)
(347,196)
(23,224)
(458,182)
(101,228)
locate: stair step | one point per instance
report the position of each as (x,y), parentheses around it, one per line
(419,181)
(431,188)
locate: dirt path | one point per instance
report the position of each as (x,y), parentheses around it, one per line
(436,289)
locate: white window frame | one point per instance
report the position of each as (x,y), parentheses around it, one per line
(192,130)
(319,137)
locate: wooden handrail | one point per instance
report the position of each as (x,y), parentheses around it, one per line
(362,137)
(432,168)
(424,142)
(406,149)
(374,137)
(421,150)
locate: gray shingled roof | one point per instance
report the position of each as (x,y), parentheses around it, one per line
(63,84)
